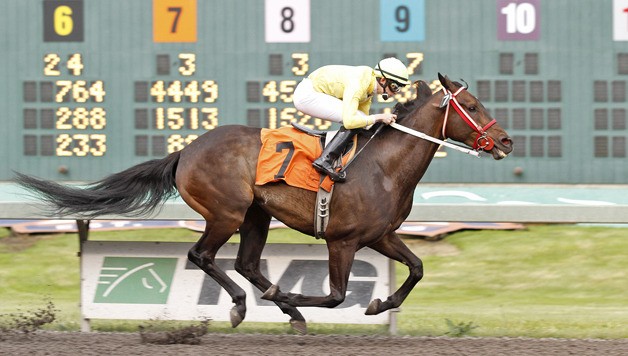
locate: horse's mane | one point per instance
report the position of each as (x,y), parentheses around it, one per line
(423,93)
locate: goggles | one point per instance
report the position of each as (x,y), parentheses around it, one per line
(394,86)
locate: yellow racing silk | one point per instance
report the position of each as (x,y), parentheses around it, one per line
(353,85)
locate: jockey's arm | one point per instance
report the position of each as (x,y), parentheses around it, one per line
(355,114)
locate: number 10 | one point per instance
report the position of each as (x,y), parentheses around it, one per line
(520,18)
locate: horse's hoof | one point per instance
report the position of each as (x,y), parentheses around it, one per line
(271,292)
(236,317)
(374,306)
(299,326)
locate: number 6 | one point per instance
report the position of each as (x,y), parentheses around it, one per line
(63,22)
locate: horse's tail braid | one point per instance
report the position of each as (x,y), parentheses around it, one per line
(136,191)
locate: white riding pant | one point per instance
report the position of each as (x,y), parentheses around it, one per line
(320,105)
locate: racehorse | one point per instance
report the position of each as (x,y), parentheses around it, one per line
(215,176)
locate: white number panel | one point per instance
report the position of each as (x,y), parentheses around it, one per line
(287,20)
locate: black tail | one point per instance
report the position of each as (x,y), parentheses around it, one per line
(136,191)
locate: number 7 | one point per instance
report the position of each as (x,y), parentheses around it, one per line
(178,11)
(288,145)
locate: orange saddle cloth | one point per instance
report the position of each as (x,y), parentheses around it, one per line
(287,155)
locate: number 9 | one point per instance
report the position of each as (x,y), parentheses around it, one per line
(402,15)
(63,22)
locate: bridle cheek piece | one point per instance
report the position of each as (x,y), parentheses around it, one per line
(482,141)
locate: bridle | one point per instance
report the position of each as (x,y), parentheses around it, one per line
(482,141)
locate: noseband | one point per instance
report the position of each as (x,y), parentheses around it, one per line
(482,141)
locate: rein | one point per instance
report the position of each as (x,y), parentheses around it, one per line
(482,141)
(434,139)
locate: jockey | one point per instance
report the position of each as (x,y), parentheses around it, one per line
(344,94)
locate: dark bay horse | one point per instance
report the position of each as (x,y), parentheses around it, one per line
(215,176)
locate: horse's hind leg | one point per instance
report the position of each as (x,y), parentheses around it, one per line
(203,254)
(253,234)
(341,256)
(393,247)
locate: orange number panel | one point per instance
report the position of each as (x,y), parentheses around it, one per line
(174,20)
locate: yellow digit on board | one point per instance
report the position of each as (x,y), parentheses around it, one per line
(63,20)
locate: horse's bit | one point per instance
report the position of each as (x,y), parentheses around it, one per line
(482,141)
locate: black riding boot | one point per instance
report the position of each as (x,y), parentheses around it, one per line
(331,152)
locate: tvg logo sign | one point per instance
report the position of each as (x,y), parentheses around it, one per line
(311,273)
(139,280)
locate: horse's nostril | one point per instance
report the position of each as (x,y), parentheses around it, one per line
(506,141)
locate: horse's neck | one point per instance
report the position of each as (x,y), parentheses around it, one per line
(407,157)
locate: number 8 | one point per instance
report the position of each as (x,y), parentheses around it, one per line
(287,24)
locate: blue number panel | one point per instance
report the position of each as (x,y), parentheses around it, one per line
(402,20)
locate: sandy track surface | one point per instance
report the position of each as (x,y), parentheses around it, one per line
(76,343)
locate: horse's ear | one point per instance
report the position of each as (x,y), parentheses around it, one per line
(423,89)
(444,81)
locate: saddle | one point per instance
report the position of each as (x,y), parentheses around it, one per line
(287,155)
(309,131)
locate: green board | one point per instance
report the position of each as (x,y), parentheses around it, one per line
(91,87)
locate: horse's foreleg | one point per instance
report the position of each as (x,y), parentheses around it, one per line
(341,255)
(203,254)
(253,234)
(393,247)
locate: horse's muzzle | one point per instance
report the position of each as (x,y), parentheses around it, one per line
(503,146)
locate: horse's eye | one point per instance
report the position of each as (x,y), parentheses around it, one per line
(472,108)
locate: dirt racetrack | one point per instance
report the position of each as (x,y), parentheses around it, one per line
(75,343)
